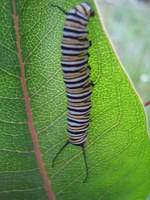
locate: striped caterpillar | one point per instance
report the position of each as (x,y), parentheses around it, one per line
(76,72)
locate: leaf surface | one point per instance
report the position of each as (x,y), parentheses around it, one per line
(118,145)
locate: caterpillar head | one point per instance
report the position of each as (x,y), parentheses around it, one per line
(85,10)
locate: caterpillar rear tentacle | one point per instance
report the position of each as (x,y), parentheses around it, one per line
(84,157)
(85,161)
(57,154)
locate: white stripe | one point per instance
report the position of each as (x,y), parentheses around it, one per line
(81,15)
(72,40)
(76,136)
(74,52)
(66,33)
(78,113)
(78,94)
(76,124)
(82,141)
(80,107)
(76,19)
(71,81)
(75,29)
(78,100)
(79,120)
(69,85)
(77,131)
(74,62)
(76,46)
(72,69)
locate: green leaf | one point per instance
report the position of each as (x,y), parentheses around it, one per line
(118,146)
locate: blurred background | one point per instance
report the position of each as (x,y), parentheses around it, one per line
(128,25)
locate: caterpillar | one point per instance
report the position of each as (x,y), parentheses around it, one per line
(76,72)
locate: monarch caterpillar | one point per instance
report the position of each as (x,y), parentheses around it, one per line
(76,71)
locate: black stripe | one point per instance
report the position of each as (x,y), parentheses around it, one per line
(73,71)
(74,49)
(74,121)
(78,81)
(79,114)
(77,22)
(79,43)
(75,31)
(83,39)
(77,131)
(74,65)
(84,9)
(77,125)
(77,40)
(78,16)
(81,110)
(75,54)
(74,37)
(75,87)
(79,97)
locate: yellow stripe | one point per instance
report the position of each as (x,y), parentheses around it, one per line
(78,117)
(76,74)
(73,24)
(79,104)
(72,41)
(77,128)
(78,91)
(72,58)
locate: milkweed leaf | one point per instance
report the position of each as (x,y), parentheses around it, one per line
(118,148)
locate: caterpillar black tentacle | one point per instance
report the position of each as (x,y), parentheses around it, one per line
(62,148)
(61,9)
(85,161)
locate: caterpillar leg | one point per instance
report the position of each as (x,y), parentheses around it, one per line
(90,43)
(89,67)
(92,84)
(57,154)
(88,54)
(88,85)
